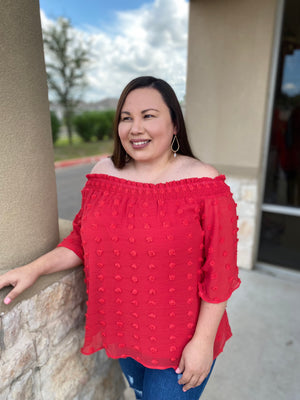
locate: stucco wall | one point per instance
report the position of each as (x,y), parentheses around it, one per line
(230,49)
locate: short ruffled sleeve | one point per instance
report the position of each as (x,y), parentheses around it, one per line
(73,240)
(219,272)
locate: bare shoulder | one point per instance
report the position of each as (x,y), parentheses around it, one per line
(199,169)
(104,166)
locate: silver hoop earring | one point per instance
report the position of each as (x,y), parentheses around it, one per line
(175,143)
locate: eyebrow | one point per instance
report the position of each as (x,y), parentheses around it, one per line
(143,112)
(149,109)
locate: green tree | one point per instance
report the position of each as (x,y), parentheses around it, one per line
(55,126)
(66,63)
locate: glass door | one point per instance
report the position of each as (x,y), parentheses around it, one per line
(279,242)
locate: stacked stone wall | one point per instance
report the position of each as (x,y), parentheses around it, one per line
(40,342)
(245,193)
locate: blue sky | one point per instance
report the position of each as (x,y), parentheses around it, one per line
(291,76)
(127,39)
(98,13)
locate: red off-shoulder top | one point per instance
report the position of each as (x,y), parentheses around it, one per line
(151,252)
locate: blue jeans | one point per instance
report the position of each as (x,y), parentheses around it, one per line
(158,384)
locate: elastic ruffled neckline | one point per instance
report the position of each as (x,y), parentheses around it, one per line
(139,185)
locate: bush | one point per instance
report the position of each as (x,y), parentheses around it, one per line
(85,125)
(94,124)
(55,126)
(106,122)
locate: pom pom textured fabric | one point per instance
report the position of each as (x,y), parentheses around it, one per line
(151,252)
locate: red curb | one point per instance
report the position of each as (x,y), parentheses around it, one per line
(78,161)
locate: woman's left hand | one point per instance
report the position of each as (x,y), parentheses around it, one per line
(195,364)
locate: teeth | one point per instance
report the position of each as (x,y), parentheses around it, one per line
(140,143)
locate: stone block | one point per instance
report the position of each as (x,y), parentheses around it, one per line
(11,326)
(65,382)
(128,394)
(4,394)
(23,388)
(42,345)
(102,362)
(245,257)
(63,376)
(104,386)
(246,230)
(249,193)
(89,363)
(245,209)
(75,280)
(48,305)
(17,360)
(78,316)
(59,328)
(235,187)
(112,385)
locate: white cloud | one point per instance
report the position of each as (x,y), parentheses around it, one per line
(289,87)
(151,40)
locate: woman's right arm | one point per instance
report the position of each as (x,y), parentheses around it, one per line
(23,277)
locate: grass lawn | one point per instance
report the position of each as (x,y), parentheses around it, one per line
(64,151)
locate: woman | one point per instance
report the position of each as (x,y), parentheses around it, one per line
(157,235)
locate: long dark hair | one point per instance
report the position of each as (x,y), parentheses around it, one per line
(119,156)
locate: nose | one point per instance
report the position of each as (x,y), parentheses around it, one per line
(137,126)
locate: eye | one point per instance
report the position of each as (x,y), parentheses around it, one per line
(146,116)
(125,118)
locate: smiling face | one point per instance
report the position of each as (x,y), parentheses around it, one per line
(145,128)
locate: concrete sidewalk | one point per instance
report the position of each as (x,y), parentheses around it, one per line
(261,361)
(78,161)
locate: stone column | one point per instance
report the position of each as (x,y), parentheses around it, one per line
(28,202)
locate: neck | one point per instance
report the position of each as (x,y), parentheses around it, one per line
(152,170)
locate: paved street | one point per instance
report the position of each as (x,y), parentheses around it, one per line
(69,182)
